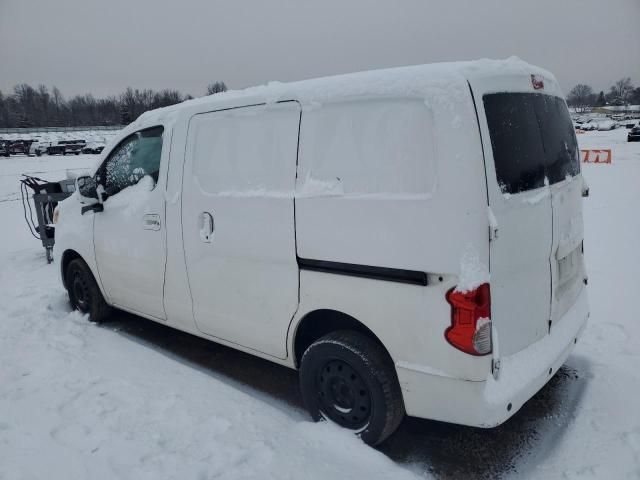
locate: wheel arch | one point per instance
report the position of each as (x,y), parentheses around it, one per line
(320,322)
(67,256)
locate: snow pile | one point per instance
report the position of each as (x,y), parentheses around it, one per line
(539,196)
(473,272)
(132,199)
(81,401)
(312,187)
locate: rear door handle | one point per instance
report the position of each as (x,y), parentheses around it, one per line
(206,225)
(151,221)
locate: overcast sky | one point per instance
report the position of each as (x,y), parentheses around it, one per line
(104,46)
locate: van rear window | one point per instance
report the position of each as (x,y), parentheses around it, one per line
(532,138)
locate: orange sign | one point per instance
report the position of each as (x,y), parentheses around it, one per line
(596,156)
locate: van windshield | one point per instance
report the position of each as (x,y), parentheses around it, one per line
(533,139)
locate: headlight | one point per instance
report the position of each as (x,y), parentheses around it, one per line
(56,214)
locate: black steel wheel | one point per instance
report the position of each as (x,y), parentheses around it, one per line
(348,378)
(84,293)
(344,396)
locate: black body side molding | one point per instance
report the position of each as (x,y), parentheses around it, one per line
(412,277)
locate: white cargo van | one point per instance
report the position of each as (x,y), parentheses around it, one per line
(409,239)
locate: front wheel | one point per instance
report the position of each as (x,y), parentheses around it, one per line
(84,293)
(348,378)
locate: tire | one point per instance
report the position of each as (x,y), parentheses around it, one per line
(348,378)
(84,293)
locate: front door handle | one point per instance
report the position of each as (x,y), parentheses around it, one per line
(151,222)
(206,225)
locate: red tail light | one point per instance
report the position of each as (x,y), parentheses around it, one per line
(470,329)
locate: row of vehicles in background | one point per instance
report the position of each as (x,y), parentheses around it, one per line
(604,123)
(597,123)
(63,147)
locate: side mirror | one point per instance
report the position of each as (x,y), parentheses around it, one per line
(86,188)
(88,192)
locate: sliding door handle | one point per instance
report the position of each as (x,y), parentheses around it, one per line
(151,222)
(206,225)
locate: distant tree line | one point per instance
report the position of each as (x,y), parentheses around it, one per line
(620,93)
(40,107)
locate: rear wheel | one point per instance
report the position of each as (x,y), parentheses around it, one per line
(348,378)
(84,293)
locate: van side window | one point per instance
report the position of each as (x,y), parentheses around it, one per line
(373,147)
(135,157)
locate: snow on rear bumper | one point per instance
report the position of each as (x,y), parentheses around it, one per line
(491,402)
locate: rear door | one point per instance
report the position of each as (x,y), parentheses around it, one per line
(534,192)
(238,223)
(563,170)
(520,201)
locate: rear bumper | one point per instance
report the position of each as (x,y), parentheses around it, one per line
(491,402)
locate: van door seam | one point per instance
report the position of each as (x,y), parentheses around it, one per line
(295,231)
(544,149)
(165,232)
(484,159)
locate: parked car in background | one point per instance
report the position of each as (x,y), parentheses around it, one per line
(38,148)
(67,147)
(19,147)
(605,124)
(93,147)
(634,133)
(588,124)
(4,148)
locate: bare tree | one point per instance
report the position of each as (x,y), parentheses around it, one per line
(216,87)
(621,91)
(580,96)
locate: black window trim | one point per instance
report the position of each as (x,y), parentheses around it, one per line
(100,169)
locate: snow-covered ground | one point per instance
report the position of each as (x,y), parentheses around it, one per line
(132,399)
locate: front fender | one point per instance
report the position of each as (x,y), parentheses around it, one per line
(74,232)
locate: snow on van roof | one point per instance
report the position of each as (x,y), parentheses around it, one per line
(435,81)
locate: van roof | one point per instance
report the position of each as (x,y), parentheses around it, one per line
(436,80)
